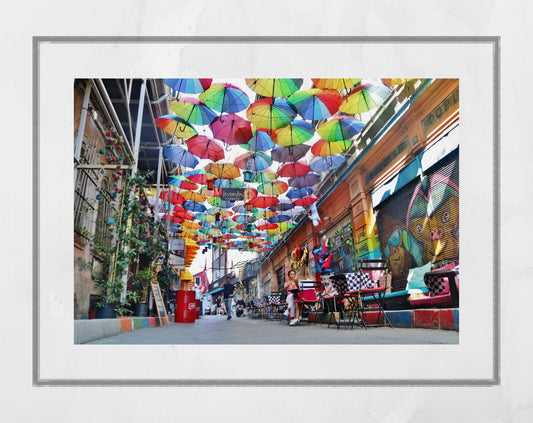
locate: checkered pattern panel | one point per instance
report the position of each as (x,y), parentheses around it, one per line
(359,280)
(340,284)
(257,304)
(435,285)
(273,299)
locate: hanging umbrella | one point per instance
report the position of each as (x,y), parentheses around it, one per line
(283,205)
(199,176)
(173,219)
(305,201)
(181,182)
(260,141)
(271,113)
(250,193)
(223,170)
(292,169)
(178,155)
(243,218)
(204,217)
(328,148)
(279,218)
(253,161)
(189,85)
(193,196)
(294,193)
(266,226)
(229,183)
(194,206)
(338,84)
(191,225)
(218,202)
(226,223)
(316,104)
(396,81)
(265,214)
(295,133)
(205,148)
(291,153)
(215,192)
(191,110)
(175,125)
(364,98)
(231,129)
(221,212)
(264,176)
(263,201)
(225,98)
(323,164)
(274,87)
(340,128)
(273,188)
(303,181)
(242,209)
(175,198)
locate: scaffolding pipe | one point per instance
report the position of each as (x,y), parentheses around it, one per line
(138,128)
(81,129)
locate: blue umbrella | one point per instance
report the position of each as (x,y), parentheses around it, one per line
(228,183)
(299,192)
(279,218)
(189,85)
(260,141)
(194,206)
(323,164)
(178,155)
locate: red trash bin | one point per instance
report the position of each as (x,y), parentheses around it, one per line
(198,305)
(185,307)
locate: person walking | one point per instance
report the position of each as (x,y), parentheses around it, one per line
(291,286)
(229,292)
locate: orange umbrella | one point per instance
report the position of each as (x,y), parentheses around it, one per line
(223,170)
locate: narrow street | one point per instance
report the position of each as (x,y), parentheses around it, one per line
(244,330)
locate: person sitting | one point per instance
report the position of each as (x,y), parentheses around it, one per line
(327,296)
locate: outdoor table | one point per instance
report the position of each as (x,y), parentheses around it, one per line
(433,281)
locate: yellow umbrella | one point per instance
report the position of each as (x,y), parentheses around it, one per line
(191,225)
(223,170)
(193,196)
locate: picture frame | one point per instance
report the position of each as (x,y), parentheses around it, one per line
(340,262)
(334,255)
(338,241)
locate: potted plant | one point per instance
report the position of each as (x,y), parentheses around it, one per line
(140,287)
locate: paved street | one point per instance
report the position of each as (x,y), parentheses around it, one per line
(243,330)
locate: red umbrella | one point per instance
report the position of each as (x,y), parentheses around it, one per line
(231,129)
(293,169)
(266,226)
(205,148)
(172,218)
(175,198)
(263,201)
(305,201)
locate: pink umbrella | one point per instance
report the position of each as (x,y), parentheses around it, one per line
(293,169)
(231,129)
(205,148)
(305,201)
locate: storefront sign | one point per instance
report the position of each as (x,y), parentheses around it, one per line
(438,112)
(233,194)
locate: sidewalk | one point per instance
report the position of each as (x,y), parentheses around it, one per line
(244,330)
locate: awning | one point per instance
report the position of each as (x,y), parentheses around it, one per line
(431,155)
(214,291)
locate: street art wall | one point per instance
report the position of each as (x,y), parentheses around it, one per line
(420,223)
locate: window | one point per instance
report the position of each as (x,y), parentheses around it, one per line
(102,235)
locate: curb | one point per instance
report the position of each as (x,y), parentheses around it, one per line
(86,330)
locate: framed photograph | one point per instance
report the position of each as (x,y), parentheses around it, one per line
(334,255)
(338,241)
(341,265)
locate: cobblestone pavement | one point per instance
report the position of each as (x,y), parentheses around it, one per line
(244,330)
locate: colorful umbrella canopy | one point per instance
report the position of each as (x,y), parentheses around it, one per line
(191,110)
(263,201)
(193,196)
(266,214)
(243,218)
(204,217)
(218,202)
(340,128)
(225,98)
(215,192)
(222,212)
(323,164)
(264,176)
(305,201)
(194,206)
(328,148)
(338,84)
(274,87)
(395,81)
(199,176)
(231,129)
(316,104)
(256,161)
(364,98)
(223,170)
(271,113)
(189,85)
(292,169)
(242,209)
(296,132)
(178,155)
(181,182)
(273,188)
(303,181)
(294,193)
(175,125)
(174,197)
(191,225)
(291,153)
(205,148)
(229,183)
(260,141)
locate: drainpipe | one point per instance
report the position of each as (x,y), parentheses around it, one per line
(138,128)
(81,128)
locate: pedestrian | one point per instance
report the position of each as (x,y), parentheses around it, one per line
(295,309)
(217,305)
(229,292)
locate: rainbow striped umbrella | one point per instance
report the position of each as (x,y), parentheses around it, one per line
(260,141)
(191,110)
(176,126)
(295,133)
(189,85)
(271,113)
(340,128)
(274,87)
(328,148)
(225,98)
(338,84)
(364,98)
(273,188)
(316,104)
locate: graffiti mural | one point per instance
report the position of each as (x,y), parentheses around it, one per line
(420,223)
